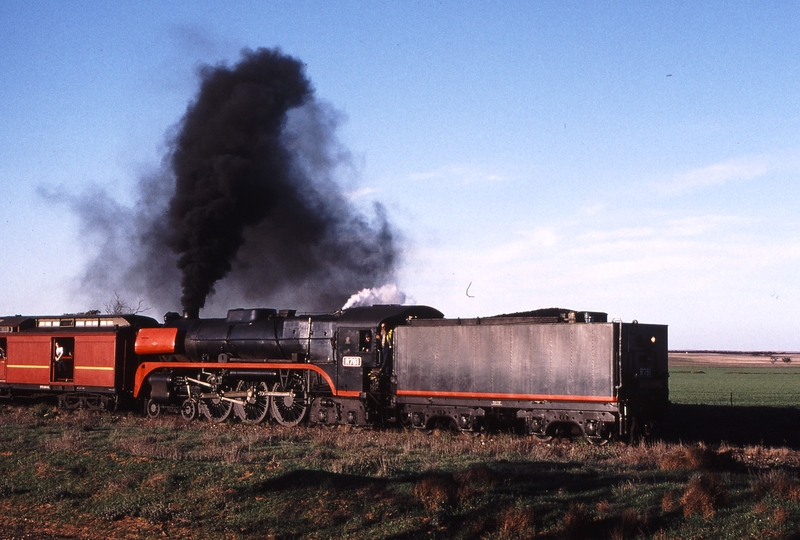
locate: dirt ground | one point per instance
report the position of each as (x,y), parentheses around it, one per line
(764,359)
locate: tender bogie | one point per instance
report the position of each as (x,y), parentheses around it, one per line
(468,419)
(327,410)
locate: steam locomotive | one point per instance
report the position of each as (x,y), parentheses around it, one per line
(552,371)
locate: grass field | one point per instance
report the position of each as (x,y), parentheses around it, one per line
(83,475)
(79,475)
(732,385)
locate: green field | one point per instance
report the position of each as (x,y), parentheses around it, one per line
(735,385)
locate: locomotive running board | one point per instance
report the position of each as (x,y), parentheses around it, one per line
(146,368)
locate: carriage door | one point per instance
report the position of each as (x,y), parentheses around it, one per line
(3,349)
(356,355)
(63,359)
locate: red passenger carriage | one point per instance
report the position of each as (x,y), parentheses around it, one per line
(87,360)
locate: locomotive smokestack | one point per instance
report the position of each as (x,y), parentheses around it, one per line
(191,313)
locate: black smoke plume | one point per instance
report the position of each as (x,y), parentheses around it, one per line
(247,202)
(240,178)
(231,167)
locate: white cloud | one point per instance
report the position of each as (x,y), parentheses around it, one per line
(720,173)
(733,170)
(466,174)
(594,209)
(679,269)
(697,225)
(541,236)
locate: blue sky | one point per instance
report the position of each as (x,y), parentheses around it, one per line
(635,158)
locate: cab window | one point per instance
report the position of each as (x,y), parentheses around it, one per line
(365,341)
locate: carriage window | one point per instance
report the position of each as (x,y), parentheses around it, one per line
(2,348)
(365,340)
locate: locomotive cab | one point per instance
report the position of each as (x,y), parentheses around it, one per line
(364,344)
(356,357)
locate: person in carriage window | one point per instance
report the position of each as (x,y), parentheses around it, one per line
(61,365)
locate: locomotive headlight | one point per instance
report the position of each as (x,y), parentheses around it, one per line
(653,339)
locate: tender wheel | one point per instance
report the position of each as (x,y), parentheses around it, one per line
(256,403)
(597,433)
(598,441)
(289,410)
(542,438)
(216,409)
(189,410)
(152,408)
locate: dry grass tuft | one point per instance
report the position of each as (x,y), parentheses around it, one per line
(577,522)
(668,502)
(777,484)
(603,507)
(645,455)
(760,508)
(516,522)
(474,481)
(70,441)
(122,483)
(703,495)
(478,474)
(155,480)
(780,515)
(629,525)
(435,491)
(694,458)
(151,446)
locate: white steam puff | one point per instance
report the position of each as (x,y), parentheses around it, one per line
(386,294)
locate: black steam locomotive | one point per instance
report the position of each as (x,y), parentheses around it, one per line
(549,371)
